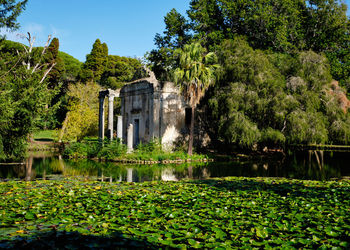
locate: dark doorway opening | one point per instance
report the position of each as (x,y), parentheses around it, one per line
(136,132)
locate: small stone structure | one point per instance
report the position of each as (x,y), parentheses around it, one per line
(149,110)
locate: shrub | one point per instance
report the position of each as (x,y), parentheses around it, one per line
(112,150)
(272,137)
(76,150)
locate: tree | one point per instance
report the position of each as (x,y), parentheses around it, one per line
(287,26)
(23,96)
(272,99)
(96,62)
(176,34)
(120,70)
(82,117)
(9,11)
(55,75)
(194,75)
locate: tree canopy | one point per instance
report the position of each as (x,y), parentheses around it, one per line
(24,95)
(277,60)
(286,26)
(194,76)
(9,11)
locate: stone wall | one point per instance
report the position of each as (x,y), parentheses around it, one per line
(173,114)
(136,107)
(154,111)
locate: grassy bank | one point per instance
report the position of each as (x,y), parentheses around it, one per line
(225,213)
(45,135)
(116,151)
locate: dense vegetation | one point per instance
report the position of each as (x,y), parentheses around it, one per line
(232,212)
(52,89)
(281,75)
(67,99)
(117,151)
(25,93)
(277,60)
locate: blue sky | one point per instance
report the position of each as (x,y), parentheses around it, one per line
(127,26)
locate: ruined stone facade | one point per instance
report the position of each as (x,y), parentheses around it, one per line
(154,110)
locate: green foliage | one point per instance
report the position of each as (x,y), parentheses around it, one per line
(82,116)
(76,150)
(314,69)
(86,149)
(24,96)
(115,150)
(225,213)
(55,75)
(194,76)
(273,99)
(272,137)
(306,127)
(277,60)
(72,66)
(44,135)
(112,150)
(283,26)
(9,11)
(176,35)
(120,70)
(195,72)
(95,62)
(287,26)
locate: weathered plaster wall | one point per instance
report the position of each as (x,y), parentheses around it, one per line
(173,114)
(160,111)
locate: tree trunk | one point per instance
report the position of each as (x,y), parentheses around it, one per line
(190,143)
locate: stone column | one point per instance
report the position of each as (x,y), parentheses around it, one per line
(120,127)
(130,138)
(101,125)
(110,117)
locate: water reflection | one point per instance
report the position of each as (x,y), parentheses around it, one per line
(317,165)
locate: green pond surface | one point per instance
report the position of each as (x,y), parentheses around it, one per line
(312,165)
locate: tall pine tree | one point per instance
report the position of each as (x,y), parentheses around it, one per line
(95,62)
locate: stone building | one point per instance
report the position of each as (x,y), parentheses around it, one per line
(149,109)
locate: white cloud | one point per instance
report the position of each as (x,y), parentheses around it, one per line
(34,28)
(39,31)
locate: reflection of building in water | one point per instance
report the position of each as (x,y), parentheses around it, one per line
(266,166)
(205,173)
(30,175)
(129,175)
(168,175)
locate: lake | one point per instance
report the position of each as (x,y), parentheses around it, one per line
(312,165)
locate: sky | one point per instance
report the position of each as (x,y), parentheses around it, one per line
(127,27)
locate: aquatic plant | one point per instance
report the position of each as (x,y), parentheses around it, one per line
(232,212)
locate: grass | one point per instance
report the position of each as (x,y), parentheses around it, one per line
(45,135)
(220,213)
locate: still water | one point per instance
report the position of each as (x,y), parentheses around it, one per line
(314,165)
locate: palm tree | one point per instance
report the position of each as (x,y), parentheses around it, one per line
(194,75)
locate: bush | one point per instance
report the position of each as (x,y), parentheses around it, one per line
(115,149)
(112,150)
(76,150)
(272,137)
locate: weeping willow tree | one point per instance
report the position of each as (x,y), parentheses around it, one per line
(194,75)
